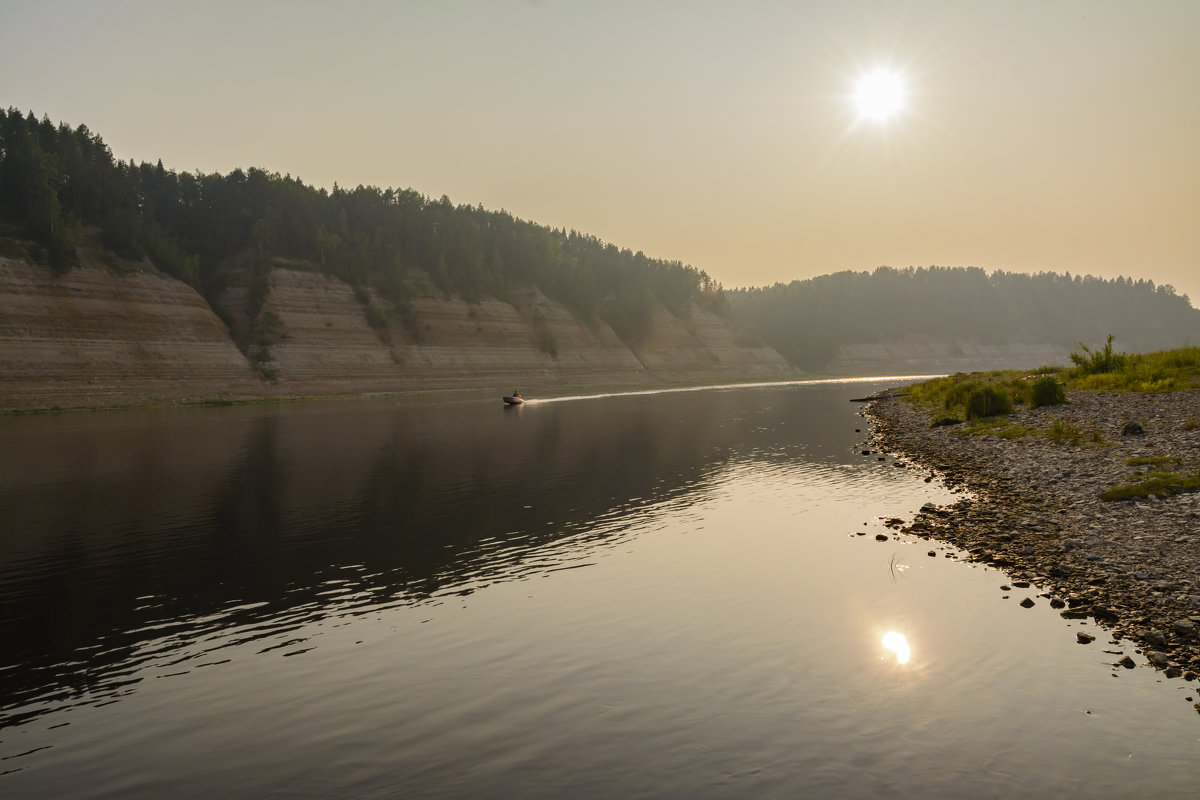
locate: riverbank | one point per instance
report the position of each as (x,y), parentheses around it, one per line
(122,334)
(1033,508)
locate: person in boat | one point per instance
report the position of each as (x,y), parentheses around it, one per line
(516,393)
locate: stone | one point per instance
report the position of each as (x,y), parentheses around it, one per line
(1158,658)
(1084,638)
(1127,662)
(1027,602)
(1184,627)
(1133,428)
(881,537)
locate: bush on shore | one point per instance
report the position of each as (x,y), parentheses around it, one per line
(963,396)
(1047,391)
(988,401)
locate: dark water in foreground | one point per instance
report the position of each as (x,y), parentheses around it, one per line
(656,595)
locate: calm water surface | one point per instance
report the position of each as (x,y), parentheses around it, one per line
(651,595)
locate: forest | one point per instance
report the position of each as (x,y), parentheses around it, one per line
(807,320)
(59,184)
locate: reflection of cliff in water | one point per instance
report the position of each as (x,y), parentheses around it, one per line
(139,536)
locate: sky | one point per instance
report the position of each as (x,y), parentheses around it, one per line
(1048,135)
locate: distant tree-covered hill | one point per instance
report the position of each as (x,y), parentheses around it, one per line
(807,321)
(55,180)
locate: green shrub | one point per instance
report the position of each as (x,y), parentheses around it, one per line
(988,401)
(1047,391)
(1094,362)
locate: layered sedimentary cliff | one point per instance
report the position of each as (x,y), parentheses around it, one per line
(92,337)
(95,337)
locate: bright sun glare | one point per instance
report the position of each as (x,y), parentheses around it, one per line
(879,95)
(898,644)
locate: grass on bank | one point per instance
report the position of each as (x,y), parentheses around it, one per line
(982,398)
(1159,483)
(980,395)
(1060,431)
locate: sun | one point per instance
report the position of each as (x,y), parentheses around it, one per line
(879,95)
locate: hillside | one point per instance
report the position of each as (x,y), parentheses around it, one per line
(942,319)
(125,283)
(96,335)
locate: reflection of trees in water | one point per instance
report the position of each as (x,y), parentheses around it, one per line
(396,503)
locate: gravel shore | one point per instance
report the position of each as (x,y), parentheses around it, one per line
(1032,507)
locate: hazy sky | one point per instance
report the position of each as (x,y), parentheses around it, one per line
(1040,135)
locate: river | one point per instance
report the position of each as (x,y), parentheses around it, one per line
(656,594)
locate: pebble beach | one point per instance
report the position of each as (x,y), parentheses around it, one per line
(1032,506)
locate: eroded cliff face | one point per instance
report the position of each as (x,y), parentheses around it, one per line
(92,337)
(319,340)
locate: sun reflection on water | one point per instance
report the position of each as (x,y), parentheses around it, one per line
(898,644)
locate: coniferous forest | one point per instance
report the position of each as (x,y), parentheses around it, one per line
(57,181)
(60,186)
(807,320)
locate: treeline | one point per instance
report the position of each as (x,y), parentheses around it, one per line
(207,229)
(806,321)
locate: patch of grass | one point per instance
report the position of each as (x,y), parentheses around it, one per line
(949,396)
(1061,431)
(1158,483)
(986,426)
(1014,431)
(1156,461)
(1064,431)
(1147,373)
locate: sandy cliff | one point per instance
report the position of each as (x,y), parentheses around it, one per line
(94,337)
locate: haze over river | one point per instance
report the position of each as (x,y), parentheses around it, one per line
(642,595)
